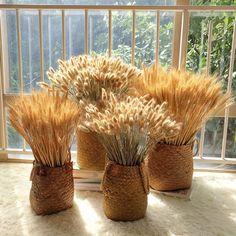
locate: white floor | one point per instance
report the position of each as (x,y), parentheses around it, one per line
(212,210)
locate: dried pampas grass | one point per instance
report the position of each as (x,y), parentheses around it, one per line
(84,77)
(47,123)
(192,98)
(129,128)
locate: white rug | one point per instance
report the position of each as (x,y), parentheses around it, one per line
(212,210)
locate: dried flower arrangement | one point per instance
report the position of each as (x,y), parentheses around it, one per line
(84,77)
(47,122)
(128,129)
(192,99)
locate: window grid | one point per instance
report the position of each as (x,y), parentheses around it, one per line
(182,47)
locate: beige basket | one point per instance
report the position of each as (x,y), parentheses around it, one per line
(52,188)
(90,152)
(125,190)
(170,167)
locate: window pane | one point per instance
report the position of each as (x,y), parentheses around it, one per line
(166,36)
(98,32)
(95,2)
(197,42)
(14,140)
(30,50)
(122,34)
(52,39)
(221,46)
(213,137)
(231,139)
(145,38)
(10,51)
(74,22)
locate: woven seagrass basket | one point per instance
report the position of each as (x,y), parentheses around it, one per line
(170,167)
(90,152)
(125,190)
(52,188)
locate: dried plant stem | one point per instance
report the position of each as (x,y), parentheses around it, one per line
(192,98)
(47,123)
(129,128)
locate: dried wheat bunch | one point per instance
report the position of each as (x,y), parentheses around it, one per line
(191,98)
(47,123)
(84,77)
(129,128)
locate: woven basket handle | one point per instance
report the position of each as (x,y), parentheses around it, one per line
(107,168)
(197,149)
(144,176)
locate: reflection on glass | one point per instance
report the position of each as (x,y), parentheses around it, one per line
(213,137)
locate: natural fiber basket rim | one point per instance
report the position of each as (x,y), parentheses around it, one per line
(172,145)
(125,166)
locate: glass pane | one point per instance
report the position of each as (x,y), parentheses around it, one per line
(166,36)
(74,22)
(52,39)
(122,34)
(98,32)
(30,50)
(222,30)
(96,2)
(221,46)
(213,137)
(10,51)
(214,2)
(74,143)
(145,38)
(14,140)
(234,80)
(231,139)
(197,42)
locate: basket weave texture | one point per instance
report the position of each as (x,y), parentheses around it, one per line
(90,152)
(52,188)
(125,190)
(170,167)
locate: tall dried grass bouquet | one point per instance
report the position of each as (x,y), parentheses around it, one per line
(191,98)
(47,122)
(129,128)
(84,77)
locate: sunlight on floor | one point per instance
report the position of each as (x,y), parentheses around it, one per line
(233,217)
(89,216)
(20,207)
(154,200)
(233,196)
(218,182)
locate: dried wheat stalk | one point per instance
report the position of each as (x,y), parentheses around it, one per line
(47,123)
(129,128)
(84,77)
(192,98)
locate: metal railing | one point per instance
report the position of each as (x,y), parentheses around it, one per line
(180,42)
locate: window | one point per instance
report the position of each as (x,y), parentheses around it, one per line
(32,41)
